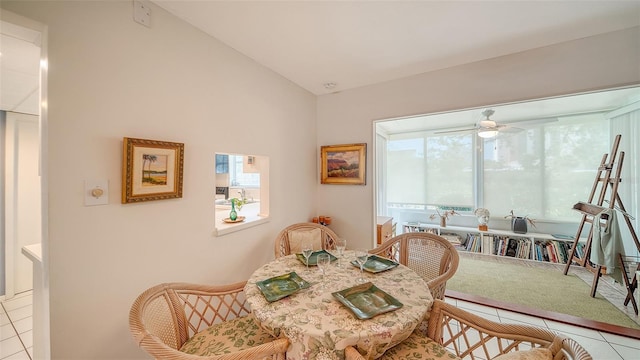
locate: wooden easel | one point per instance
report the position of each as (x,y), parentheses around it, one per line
(606,179)
(631,285)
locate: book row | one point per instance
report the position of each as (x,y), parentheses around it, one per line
(522,248)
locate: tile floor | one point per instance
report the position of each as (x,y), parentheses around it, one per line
(16,327)
(16,337)
(601,345)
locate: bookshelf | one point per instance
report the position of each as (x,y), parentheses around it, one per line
(529,246)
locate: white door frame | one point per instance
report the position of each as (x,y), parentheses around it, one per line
(11,205)
(41,328)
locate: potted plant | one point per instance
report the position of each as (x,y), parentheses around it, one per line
(444,216)
(238,203)
(519,223)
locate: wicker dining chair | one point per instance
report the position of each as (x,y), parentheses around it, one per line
(431,256)
(454,333)
(180,321)
(289,240)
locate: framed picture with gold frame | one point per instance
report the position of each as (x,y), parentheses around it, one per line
(343,164)
(152,170)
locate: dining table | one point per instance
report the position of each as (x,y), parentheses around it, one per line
(321,318)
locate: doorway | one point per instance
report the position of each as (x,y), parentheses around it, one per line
(20,192)
(24,93)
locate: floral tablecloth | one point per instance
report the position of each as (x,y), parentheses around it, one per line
(320,327)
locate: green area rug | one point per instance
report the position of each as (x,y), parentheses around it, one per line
(539,288)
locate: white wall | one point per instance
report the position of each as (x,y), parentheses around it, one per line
(110,77)
(347,117)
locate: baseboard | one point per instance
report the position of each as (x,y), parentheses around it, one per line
(548,315)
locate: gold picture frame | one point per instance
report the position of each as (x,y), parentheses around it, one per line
(343,164)
(152,170)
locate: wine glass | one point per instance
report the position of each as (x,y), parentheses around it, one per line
(323,262)
(361,258)
(341,244)
(307,250)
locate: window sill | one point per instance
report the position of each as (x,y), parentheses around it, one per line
(223,228)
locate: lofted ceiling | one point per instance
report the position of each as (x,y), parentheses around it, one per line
(350,44)
(358,43)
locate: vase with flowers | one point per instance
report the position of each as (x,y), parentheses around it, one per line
(444,216)
(236,204)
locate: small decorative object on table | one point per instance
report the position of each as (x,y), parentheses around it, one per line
(443,216)
(519,223)
(322,220)
(483,218)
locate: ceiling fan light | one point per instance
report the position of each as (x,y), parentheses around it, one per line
(488,124)
(486,134)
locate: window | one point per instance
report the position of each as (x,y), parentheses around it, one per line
(433,170)
(222,164)
(241,172)
(541,171)
(246,179)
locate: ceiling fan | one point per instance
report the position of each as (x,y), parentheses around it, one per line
(488,128)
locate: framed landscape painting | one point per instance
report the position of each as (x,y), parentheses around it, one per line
(343,164)
(152,170)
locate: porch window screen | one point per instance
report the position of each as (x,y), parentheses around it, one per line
(540,172)
(434,170)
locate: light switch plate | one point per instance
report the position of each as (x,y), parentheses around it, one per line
(96,192)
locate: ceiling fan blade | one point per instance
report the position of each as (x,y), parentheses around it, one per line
(531,122)
(506,126)
(454,131)
(511,129)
